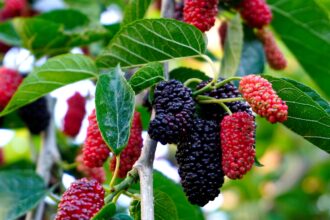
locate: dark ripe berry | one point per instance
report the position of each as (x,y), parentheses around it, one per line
(75,114)
(200,13)
(175,108)
(223,33)
(178,10)
(256,13)
(9,82)
(258,92)
(36,115)
(4,47)
(132,151)
(96,173)
(274,55)
(230,3)
(237,144)
(95,150)
(199,159)
(81,201)
(215,111)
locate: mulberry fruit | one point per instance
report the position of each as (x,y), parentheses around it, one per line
(13,8)
(215,111)
(200,13)
(274,55)
(2,159)
(95,150)
(133,149)
(256,13)
(96,173)
(9,82)
(75,115)
(237,144)
(178,10)
(199,159)
(82,200)
(259,93)
(223,33)
(4,48)
(175,108)
(36,115)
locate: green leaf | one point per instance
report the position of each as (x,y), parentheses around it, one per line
(182,74)
(147,76)
(55,73)
(308,112)
(115,101)
(106,212)
(20,191)
(257,162)
(136,9)
(8,34)
(233,47)
(121,216)
(185,210)
(305,29)
(150,40)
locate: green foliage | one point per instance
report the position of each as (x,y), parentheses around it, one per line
(304,28)
(55,73)
(308,112)
(135,10)
(146,77)
(233,47)
(182,74)
(106,212)
(150,40)
(20,191)
(121,216)
(114,100)
(8,34)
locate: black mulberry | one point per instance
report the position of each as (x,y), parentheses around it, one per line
(36,115)
(175,108)
(199,159)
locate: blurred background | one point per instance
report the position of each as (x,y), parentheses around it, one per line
(293,183)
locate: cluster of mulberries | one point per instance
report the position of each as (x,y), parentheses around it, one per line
(199,159)
(263,99)
(175,108)
(82,200)
(75,114)
(200,13)
(215,111)
(274,55)
(9,82)
(237,143)
(256,13)
(96,173)
(36,115)
(95,150)
(132,151)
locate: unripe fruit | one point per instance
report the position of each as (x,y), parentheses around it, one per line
(259,93)
(237,144)
(96,173)
(82,200)
(9,82)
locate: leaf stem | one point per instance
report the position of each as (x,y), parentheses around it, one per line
(134,196)
(115,174)
(192,80)
(209,100)
(206,88)
(114,200)
(224,82)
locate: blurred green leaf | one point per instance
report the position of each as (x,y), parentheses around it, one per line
(8,34)
(305,29)
(20,191)
(308,112)
(136,9)
(147,76)
(150,40)
(233,47)
(55,73)
(114,101)
(121,216)
(182,74)
(106,212)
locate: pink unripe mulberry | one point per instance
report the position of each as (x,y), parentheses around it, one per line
(82,200)
(133,149)
(95,150)
(96,173)
(75,114)
(200,13)
(237,144)
(274,55)
(259,93)
(256,13)
(9,82)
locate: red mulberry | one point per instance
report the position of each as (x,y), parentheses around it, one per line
(82,200)
(256,13)
(95,150)
(274,55)
(237,143)
(133,149)
(94,173)
(9,82)
(13,8)
(75,115)
(259,93)
(2,159)
(200,13)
